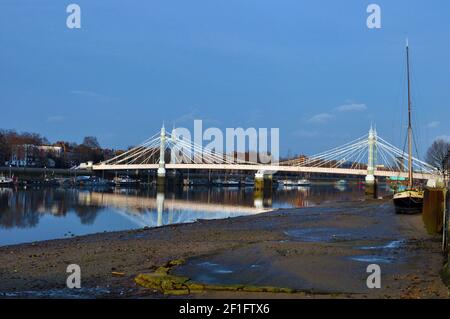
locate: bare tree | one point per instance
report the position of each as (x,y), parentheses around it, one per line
(91,142)
(437,152)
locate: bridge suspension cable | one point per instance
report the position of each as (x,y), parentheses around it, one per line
(355,154)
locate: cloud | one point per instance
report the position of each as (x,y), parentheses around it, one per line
(351,107)
(320,118)
(433,124)
(194,114)
(187,117)
(55,119)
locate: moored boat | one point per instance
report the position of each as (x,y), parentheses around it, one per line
(6,181)
(126,181)
(304,182)
(341,182)
(226,183)
(248,182)
(410,200)
(231,183)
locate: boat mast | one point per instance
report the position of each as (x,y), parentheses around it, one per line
(410,170)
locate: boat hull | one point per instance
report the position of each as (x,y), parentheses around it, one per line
(6,184)
(408,202)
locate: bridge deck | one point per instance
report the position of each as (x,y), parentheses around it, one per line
(262,167)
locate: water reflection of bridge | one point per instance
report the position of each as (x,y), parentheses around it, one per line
(25,208)
(140,204)
(141,210)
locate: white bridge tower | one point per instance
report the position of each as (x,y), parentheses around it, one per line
(162,151)
(372,156)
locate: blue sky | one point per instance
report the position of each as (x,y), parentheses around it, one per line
(311,68)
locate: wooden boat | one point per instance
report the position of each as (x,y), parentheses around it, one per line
(409,200)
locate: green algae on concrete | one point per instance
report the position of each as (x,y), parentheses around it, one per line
(178,285)
(168,284)
(175,262)
(162,270)
(162,282)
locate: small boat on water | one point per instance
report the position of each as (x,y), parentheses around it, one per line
(98,182)
(125,181)
(6,181)
(300,182)
(231,183)
(304,182)
(409,200)
(226,183)
(248,182)
(195,182)
(287,183)
(341,182)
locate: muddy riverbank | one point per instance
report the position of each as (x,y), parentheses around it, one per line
(317,252)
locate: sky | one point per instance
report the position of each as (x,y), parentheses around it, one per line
(310,68)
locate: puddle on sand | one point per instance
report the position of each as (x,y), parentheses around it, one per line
(228,269)
(207,264)
(207,272)
(389,248)
(373,259)
(320,234)
(214,268)
(395,244)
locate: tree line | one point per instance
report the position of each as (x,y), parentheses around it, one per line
(13,143)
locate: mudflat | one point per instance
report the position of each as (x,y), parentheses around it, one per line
(316,252)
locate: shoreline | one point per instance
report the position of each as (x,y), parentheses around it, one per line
(321,251)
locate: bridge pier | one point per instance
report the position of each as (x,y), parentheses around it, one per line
(262,195)
(371,189)
(161,179)
(259,181)
(263,184)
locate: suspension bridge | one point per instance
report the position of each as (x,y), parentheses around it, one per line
(369,155)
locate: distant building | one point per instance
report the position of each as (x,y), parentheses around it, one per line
(23,155)
(53,150)
(29,155)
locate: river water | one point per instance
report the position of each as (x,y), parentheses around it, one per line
(28,215)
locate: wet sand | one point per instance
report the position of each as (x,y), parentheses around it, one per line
(321,252)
